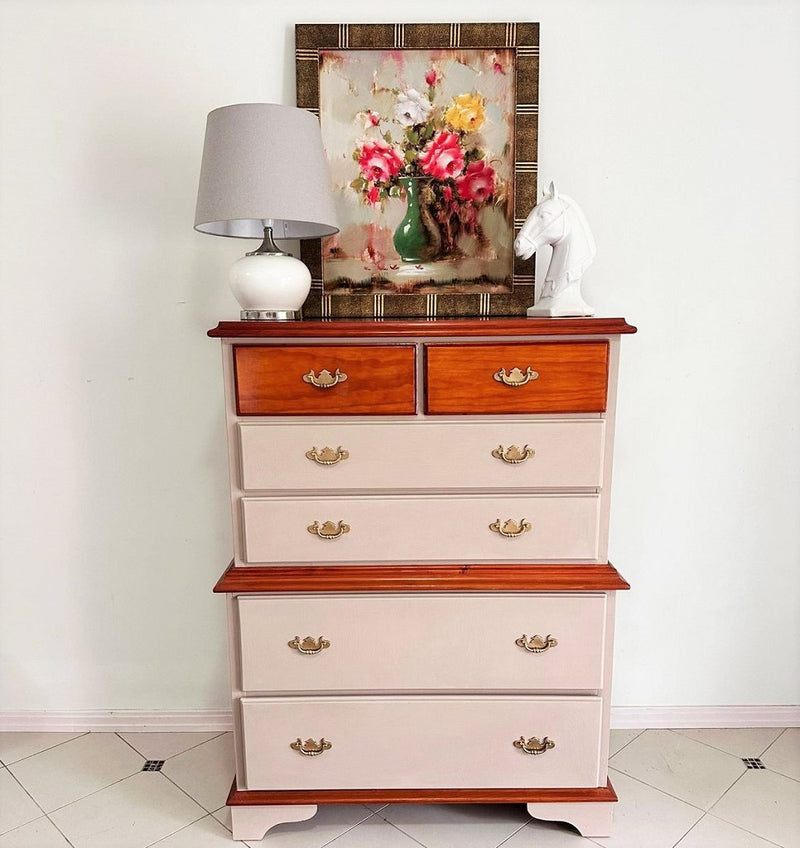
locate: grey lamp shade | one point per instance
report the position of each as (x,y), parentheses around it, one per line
(264,164)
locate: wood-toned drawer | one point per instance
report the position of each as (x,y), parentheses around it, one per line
(421,742)
(430,455)
(506,378)
(457,642)
(325,380)
(420,528)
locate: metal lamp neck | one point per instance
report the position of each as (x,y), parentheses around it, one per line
(267,246)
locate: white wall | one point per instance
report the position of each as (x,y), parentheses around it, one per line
(675,124)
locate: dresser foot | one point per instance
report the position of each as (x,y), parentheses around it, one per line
(591,818)
(254,822)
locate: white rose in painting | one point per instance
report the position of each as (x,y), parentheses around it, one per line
(412,108)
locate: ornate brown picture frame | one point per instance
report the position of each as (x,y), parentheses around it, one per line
(431,136)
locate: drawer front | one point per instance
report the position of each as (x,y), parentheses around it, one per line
(431,455)
(325,380)
(421,742)
(466,642)
(420,529)
(538,377)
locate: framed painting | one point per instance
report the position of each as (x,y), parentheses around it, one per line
(430,132)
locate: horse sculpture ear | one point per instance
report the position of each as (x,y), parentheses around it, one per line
(553,190)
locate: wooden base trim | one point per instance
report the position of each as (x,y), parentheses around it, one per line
(263,797)
(253,823)
(589,819)
(421,327)
(422,578)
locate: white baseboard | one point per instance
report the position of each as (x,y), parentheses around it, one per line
(724,716)
(120,721)
(210,721)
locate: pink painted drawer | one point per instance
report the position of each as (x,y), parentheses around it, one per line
(432,528)
(421,742)
(515,453)
(458,641)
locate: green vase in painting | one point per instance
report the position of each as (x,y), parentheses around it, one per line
(415,238)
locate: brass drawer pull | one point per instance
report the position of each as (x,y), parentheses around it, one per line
(312,748)
(327,456)
(513,454)
(533,745)
(515,378)
(325,380)
(328,530)
(511,529)
(536,645)
(309,645)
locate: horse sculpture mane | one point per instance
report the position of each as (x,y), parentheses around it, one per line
(557,220)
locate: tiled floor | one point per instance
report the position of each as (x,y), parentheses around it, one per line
(686,788)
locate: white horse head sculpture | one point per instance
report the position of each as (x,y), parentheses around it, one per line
(557,220)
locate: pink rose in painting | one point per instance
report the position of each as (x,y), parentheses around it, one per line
(496,64)
(373,195)
(432,76)
(372,119)
(476,183)
(379,161)
(443,156)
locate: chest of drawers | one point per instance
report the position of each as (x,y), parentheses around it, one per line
(420,604)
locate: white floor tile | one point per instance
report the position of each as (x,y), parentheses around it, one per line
(739,741)
(539,834)
(205,772)
(134,813)
(647,818)
(223,816)
(711,832)
(784,754)
(766,804)
(375,832)
(17,746)
(477,825)
(679,766)
(621,738)
(77,768)
(162,746)
(330,822)
(376,808)
(41,833)
(206,833)
(16,806)
(100,798)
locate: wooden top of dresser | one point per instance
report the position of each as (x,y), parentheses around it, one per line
(405,327)
(480,577)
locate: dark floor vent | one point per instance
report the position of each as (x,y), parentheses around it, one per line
(153,765)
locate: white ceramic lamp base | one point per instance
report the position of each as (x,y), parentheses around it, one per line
(270,286)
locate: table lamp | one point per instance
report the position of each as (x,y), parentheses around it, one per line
(264,175)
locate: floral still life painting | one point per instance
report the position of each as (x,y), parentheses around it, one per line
(430,131)
(420,149)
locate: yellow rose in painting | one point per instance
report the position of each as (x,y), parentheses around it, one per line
(467,113)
